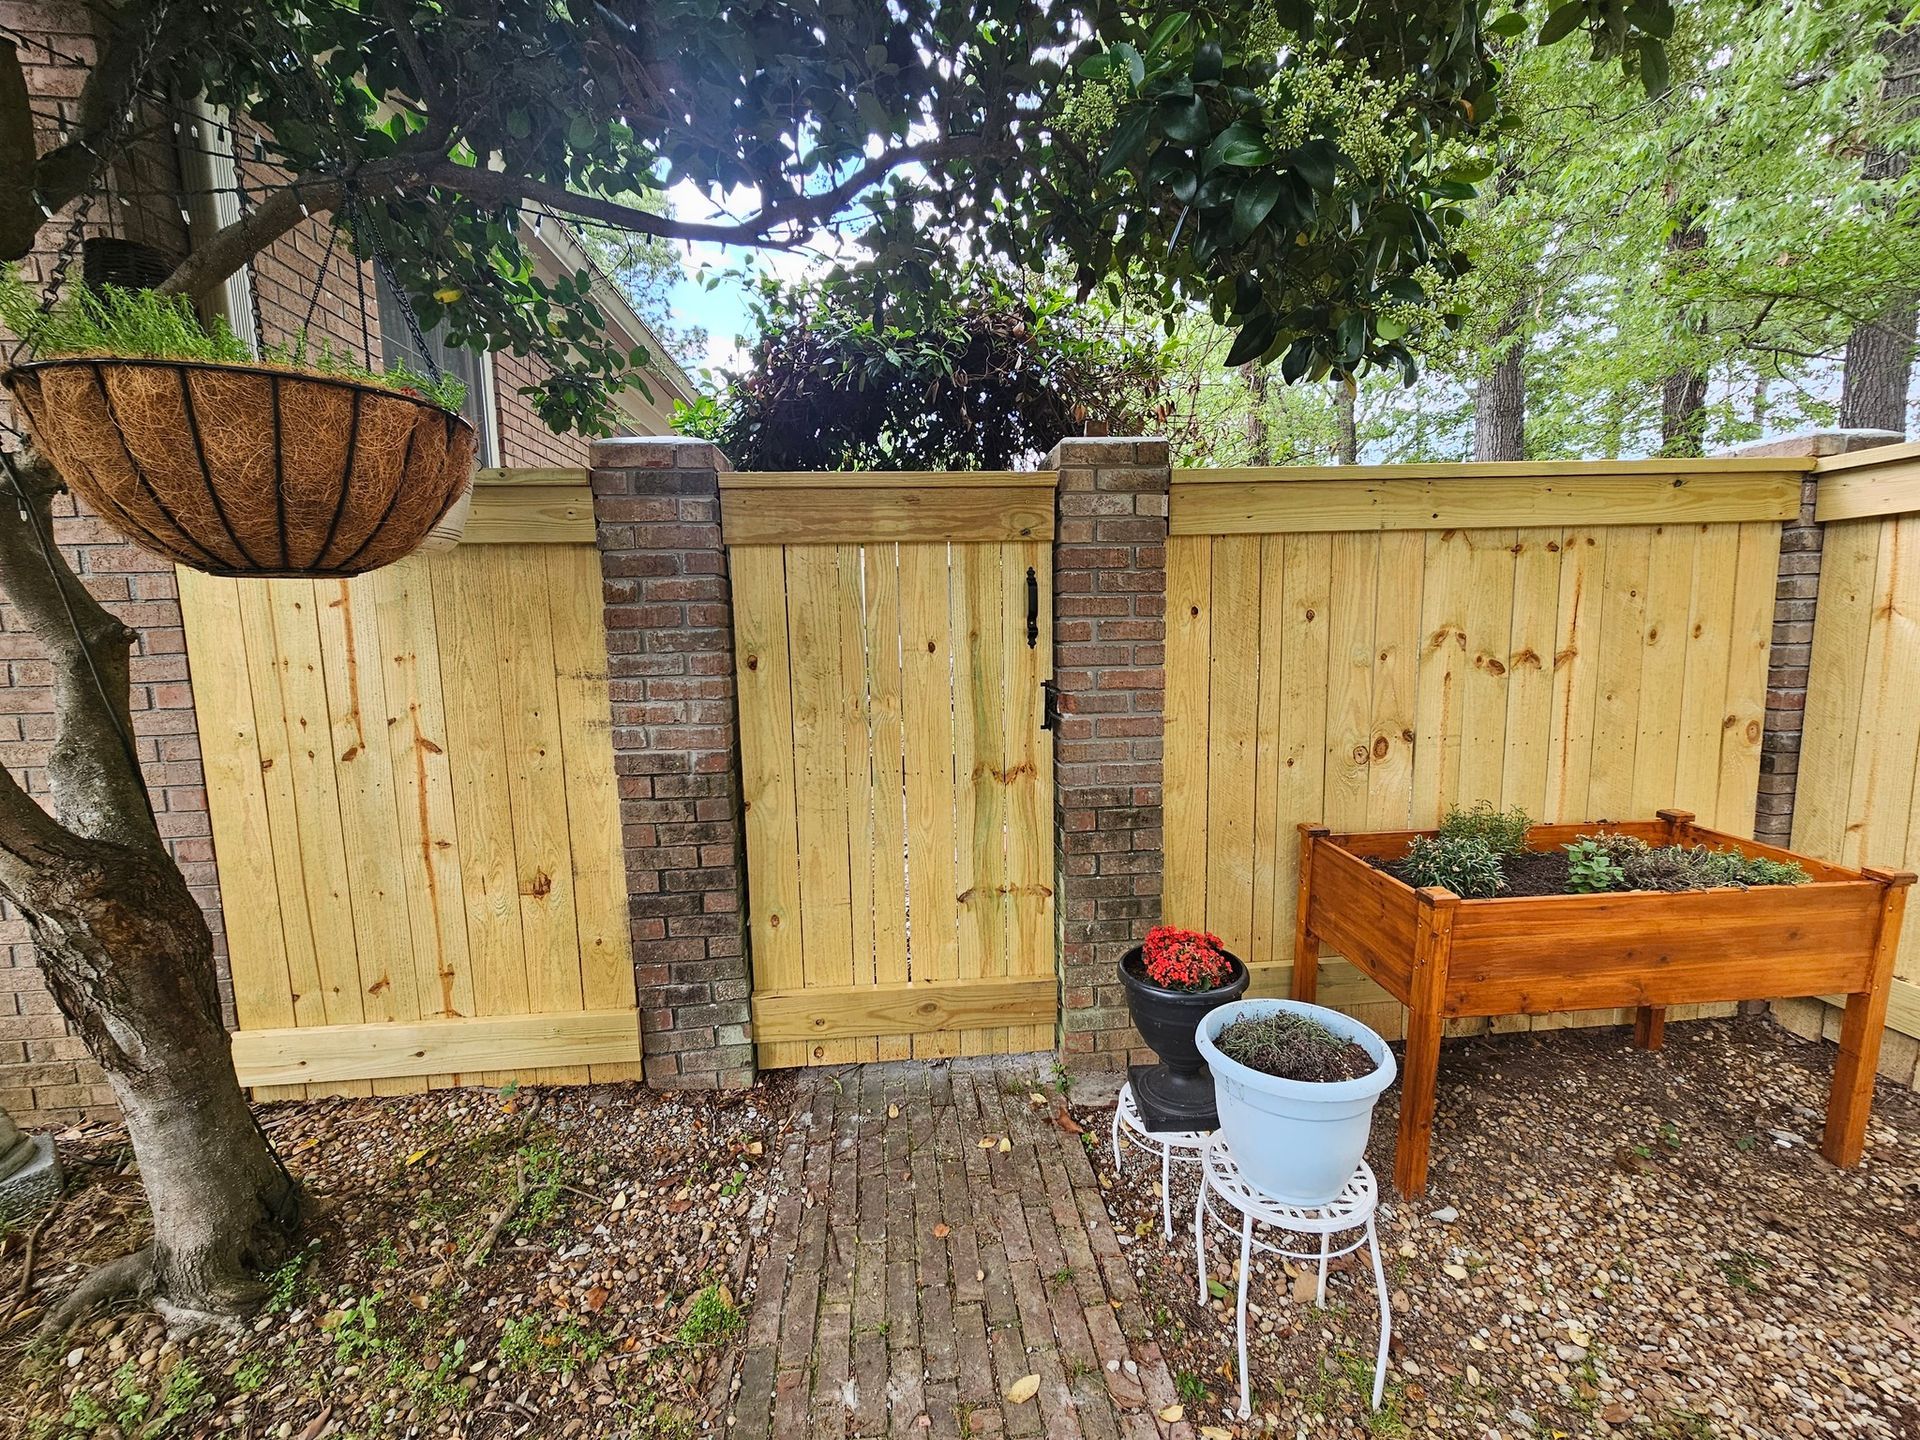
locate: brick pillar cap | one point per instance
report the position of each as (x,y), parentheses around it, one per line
(1814,443)
(1095,449)
(655,452)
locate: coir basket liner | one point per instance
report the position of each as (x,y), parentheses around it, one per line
(246,470)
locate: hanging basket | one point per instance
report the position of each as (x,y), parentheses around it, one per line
(244,469)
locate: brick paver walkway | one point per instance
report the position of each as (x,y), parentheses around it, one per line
(910,1276)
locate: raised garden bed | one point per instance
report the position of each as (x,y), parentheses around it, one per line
(1443,956)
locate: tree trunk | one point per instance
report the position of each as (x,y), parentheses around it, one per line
(1500,400)
(1878,370)
(1683,395)
(1344,394)
(125,949)
(1259,425)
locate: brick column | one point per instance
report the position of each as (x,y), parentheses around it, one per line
(1794,600)
(1109,656)
(676,748)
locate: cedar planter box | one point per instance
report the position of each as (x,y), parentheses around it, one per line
(1443,956)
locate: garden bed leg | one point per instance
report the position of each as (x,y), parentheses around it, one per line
(1426,993)
(1650,1027)
(1306,945)
(1860,1029)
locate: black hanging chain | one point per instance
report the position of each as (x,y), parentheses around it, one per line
(112,142)
(320,280)
(384,266)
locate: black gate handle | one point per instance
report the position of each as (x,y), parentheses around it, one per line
(1033,608)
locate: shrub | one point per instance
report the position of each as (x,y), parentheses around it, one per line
(1464,864)
(1683,867)
(1191,960)
(1296,1046)
(1591,868)
(1504,831)
(1759,870)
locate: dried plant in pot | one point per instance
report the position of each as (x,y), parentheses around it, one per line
(1172,980)
(297,464)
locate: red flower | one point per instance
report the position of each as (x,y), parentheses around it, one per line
(1177,959)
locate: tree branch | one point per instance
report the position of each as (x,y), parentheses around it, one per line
(98,791)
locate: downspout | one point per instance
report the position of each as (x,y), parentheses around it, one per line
(212,203)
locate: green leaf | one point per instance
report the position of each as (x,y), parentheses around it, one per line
(1254,203)
(1508,25)
(1316,161)
(1123,53)
(1127,139)
(1183,119)
(1209,62)
(1252,341)
(1653,65)
(1561,21)
(1166,30)
(1239,144)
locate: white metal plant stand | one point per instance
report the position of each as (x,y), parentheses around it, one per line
(1169,1145)
(1351,1211)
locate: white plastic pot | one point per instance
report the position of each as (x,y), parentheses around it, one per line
(1298,1140)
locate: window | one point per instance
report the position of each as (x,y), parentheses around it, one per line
(471,366)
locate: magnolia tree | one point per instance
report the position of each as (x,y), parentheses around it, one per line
(1216,160)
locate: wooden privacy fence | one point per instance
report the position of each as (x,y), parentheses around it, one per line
(1854,801)
(891,636)
(1365,647)
(410,776)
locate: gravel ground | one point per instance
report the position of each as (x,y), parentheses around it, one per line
(1613,1243)
(609,1302)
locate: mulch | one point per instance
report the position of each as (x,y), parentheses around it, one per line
(611,1299)
(1615,1243)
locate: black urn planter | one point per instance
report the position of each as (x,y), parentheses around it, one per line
(1176,1094)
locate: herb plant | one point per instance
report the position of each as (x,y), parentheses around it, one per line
(1295,1046)
(1591,869)
(1503,831)
(1464,864)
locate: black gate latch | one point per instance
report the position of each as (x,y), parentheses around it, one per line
(1049,705)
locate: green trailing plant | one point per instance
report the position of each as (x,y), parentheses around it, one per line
(1591,869)
(1503,831)
(147,325)
(1464,864)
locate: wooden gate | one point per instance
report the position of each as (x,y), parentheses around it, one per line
(410,776)
(892,634)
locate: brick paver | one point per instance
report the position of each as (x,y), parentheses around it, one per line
(910,1275)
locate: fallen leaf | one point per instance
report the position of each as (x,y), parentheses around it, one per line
(416,1157)
(893,1112)
(1616,1414)
(1023,1389)
(1036,1098)
(1215,1432)
(317,1424)
(941,1231)
(986,1142)
(1067,1123)
(754,1147)
(1006,1145)
(596,1298)
(1172,1413)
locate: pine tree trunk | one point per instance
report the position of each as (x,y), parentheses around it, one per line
(1500,402)
(1878,370)
(125,949)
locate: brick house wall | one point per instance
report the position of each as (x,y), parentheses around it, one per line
(45,1077)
